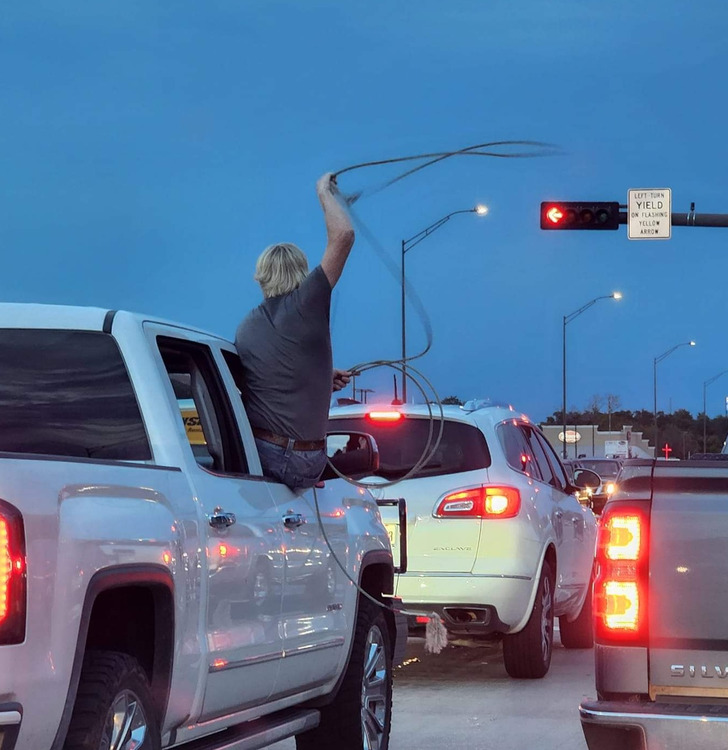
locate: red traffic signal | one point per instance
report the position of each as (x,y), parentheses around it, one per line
(579,215)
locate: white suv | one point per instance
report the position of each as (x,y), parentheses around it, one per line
(497,544)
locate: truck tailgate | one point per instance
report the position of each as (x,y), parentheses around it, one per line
(688,599)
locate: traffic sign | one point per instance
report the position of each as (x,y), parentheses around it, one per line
(649,213)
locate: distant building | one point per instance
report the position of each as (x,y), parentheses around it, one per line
(589,440)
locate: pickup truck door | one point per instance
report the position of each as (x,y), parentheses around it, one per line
(313,622)
(240,526)
(314,619)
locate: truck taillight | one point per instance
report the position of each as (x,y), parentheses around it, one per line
(480,502)
(12,575)
(620,588)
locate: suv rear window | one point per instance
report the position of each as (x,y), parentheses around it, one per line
(462,447)
(608,469)
(67,393)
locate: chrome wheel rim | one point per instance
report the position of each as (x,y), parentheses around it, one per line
(374,690)
(126,724)
(547,620)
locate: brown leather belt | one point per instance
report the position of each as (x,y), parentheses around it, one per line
(298,445)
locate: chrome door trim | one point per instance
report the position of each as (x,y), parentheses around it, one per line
(310,648)
(258,659)
(273,655)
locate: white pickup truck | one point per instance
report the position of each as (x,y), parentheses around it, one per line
(156,591)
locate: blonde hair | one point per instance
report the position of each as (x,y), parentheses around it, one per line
(280,269)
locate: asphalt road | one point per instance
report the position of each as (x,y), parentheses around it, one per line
(463,698)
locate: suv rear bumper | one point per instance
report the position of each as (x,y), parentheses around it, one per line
(507,599)
(10,718)
(653,726)
(463,619)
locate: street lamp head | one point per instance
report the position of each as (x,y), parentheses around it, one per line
(617,295)
(692,343)
(481,210)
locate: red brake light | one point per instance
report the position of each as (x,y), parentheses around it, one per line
(386,417)
(6,569)
(12,575)
(480,502)
(620,589)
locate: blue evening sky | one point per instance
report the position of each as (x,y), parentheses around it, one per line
(150,150)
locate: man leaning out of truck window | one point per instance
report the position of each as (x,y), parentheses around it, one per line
(284,345)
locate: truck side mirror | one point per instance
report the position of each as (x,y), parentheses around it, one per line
(353,454)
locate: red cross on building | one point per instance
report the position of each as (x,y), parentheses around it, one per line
(667,450)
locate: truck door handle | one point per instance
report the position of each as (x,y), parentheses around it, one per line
(221,520)
(293,520)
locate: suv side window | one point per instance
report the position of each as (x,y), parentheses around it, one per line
(540,456)
(518,452)
(204,406)
(558,469)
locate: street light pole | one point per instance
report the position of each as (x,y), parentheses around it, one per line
(563,382)
(407,245)
(655,362)
(705,407)
(568,319)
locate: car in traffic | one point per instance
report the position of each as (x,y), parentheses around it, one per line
(607,469)
(497,544)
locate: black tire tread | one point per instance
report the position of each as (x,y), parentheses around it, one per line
(340,726)
(522,651)
(578,633)
(102,676)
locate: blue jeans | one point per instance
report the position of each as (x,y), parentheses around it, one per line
(299,470)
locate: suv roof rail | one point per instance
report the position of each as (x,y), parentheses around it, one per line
(474,404)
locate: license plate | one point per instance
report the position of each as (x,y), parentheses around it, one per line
(393,531)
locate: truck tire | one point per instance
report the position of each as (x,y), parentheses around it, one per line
(113,685)
(527,654)
(578,633)
(360,716)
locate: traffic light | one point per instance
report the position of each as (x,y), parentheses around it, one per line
(579,215)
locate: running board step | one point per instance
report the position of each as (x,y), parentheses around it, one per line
(253,735)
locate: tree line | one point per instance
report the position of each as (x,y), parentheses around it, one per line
(682,431)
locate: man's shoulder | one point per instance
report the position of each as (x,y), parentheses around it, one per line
(249,323)
(315,287)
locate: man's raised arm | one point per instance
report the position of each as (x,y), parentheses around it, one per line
(340,233)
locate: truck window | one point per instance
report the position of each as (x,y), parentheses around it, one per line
(203,405)
(68,393)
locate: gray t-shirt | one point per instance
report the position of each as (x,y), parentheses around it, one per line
(284,345)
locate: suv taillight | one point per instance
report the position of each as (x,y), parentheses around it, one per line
(621,584)
(480,502)
(12,575)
